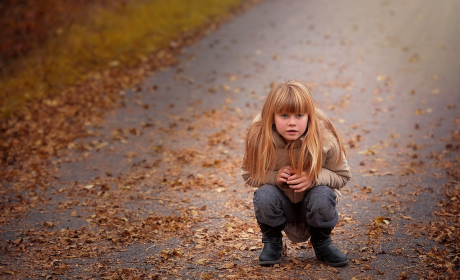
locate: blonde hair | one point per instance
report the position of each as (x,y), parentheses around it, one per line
(260,155)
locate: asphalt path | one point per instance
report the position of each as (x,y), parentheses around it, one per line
(386,72)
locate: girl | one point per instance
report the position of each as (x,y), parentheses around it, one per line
(295,158)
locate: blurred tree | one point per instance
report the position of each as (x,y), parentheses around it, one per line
(26,24)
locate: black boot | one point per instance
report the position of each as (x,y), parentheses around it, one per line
(273,244)
(324,249)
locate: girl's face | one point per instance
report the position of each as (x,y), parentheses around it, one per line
(291,126)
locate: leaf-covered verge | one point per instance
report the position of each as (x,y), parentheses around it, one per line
(53,44)
(445,258)
(31,134)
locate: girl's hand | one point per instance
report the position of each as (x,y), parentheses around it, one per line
(283,174)
(300,183)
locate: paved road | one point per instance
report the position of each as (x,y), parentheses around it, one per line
(386,72)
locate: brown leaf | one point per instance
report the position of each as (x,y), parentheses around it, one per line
(382,220)
(229,265)
(202,261)
(177,253)
(48,224)
(18,241)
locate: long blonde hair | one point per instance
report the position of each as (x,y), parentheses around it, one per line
(260,155)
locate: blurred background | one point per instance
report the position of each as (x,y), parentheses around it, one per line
(50,44)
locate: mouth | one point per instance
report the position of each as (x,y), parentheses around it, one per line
(292,131)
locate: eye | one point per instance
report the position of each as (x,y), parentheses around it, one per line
(299,115)
(284,115)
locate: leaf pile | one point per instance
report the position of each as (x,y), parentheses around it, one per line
(444,259)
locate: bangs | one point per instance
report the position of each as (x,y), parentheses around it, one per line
(290,102)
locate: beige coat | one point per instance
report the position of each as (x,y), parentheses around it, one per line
(332,175)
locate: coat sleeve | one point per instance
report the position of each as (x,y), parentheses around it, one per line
(271,178)
(333,175)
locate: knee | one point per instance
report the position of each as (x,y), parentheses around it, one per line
(267,198)
(266,191)
(322,199)
(323,193)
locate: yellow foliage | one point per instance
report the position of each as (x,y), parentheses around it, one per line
(106,38)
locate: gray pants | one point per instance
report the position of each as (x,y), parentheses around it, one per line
(273,208)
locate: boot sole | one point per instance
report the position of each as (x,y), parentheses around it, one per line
(334,264)
(269,262)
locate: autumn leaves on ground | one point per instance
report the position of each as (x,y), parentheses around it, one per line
(162,198)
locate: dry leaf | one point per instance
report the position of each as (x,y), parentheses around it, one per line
(48,224)
(382,220)
(225,87)
(18,241)
(367,152)
(88,187)
(229,265)
(418,112)
(202,261)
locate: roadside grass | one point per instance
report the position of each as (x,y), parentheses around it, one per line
(107,37)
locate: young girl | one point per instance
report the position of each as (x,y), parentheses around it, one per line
(295,158)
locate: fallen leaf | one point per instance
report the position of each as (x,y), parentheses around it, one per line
(229,265)
(18,241)
(88,187)
(48,224)
(418,112)
(382,220)
(177,253)
(367,152)
(202,261)
(225,87)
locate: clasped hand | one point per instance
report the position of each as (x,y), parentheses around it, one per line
(296,182)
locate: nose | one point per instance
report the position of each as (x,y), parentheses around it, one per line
(291,121)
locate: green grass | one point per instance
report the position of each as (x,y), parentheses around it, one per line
(107,37)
